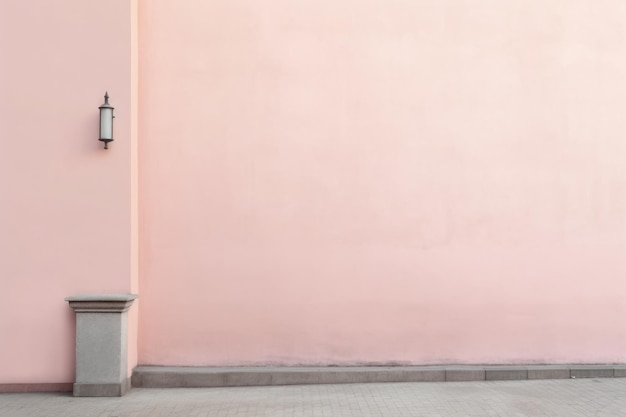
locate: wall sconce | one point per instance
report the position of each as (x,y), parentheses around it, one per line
(106,121)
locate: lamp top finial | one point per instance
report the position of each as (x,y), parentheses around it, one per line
(106,97)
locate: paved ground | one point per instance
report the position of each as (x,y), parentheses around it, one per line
(568,398)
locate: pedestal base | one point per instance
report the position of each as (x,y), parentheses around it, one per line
(101,345)
(101,390)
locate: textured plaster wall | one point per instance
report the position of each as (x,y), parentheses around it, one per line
(386,181)
(65,203)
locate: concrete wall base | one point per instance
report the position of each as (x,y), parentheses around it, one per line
(179,377)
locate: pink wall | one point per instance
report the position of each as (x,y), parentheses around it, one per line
(321,182)
(386,181)
(66,204)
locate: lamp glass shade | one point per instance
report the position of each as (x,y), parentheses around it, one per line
(106,123)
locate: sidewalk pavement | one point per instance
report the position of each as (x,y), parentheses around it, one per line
(553,398)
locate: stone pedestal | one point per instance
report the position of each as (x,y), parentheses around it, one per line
(101,344)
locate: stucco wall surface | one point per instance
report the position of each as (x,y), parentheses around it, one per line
(65,203)
(418,181)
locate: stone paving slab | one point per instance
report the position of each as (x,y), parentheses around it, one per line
(538,398)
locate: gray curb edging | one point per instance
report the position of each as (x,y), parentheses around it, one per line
(196,377)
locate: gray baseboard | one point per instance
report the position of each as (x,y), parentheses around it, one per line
(43,387)
(196,377)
